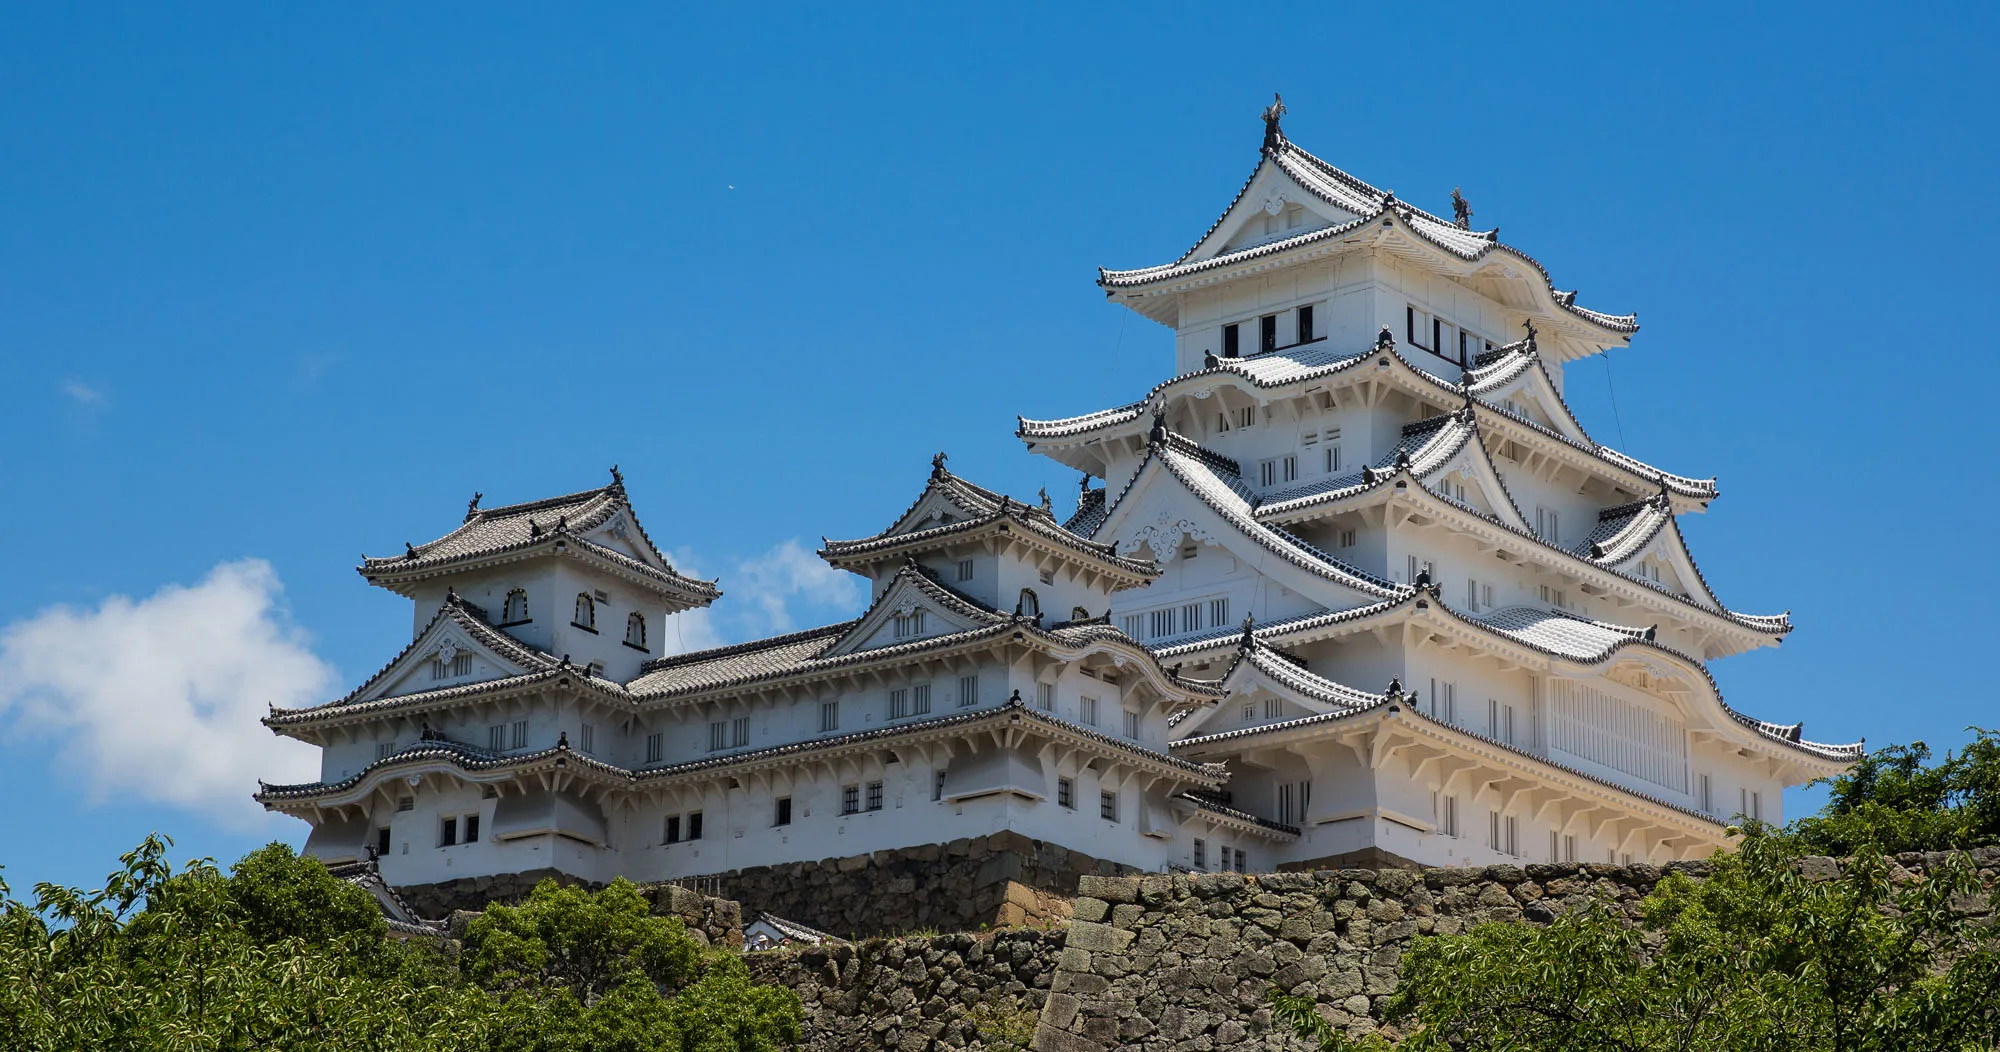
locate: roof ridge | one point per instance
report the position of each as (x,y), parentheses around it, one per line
(748,646)
(526,506)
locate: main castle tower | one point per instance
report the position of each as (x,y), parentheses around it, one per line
(1454,628)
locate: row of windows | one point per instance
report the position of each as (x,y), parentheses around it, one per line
(1177,620)
(459,665)
(1503,835)
(1107,801)
(1427,331)
(514,611)
(1224,857)
(1267,332)
(1087,710)
(676,828)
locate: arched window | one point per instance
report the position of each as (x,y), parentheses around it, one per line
(635,631)
(515,610)
(1030,605)
(586,612)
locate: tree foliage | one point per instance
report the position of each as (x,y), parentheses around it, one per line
(1890,801)
(1767,953)
(280,954)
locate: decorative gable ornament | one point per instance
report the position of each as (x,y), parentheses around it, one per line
(1164,536)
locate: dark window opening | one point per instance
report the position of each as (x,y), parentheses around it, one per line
(1029,605)
(382,841)
(472,829)
(1409,324)
(447,832)
(1231,341)
(784,816)
(694,825)
(1306,324)
(1437,336)
(1267,333)
(673,829)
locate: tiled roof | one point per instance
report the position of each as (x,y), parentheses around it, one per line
(1395,701)
(1317,361)
(1228,497)
(1204,802)
(983,508)
(467,617)
(1357,198)
(471,758)
(520,528)
(807,653)
(1090,509)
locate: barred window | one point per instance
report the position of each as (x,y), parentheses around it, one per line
(874,796)
(968,691)
(850,799)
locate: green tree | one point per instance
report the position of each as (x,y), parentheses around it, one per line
(279,954)
(1892,801)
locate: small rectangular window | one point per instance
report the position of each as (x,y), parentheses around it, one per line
(520,735)
(899,704)
(1246,416)
(1346,539)
(783,817)
(694,825)
(829,716)
(1086,711)
(965,569)
(471,829)
(1289,469)
(1231,341)
(1134,624)
(1569,848)
(1249,711)
(1273,708)
(1191,617)
(739,731)
(1066,793)
(1267,333)
(1131,725)
(1306,324)
(920,699)
(1107,806)
(1707,794)
(874,796)
(850,799)
(1448,816)
(1546,526)
(656,747)
(382,841)
(447,831)
(1493,830)
(718,736)
(496,737)
(1513,831)
(673,832)
(1200,853)
(383,750)
(937,785)
(1218,612)
(968,691)
(1045,696)
(1267,473)
(1162,623)
(1242,861)
(589,738)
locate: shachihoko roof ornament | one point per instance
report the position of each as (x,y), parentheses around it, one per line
(1461,210)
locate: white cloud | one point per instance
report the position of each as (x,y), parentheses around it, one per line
(159,698)
(83,394)
(779,591)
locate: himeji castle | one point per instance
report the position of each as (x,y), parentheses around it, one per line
(1356,588)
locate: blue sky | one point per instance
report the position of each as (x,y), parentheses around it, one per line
(279,286)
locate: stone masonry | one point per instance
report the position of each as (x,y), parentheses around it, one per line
(1186,963)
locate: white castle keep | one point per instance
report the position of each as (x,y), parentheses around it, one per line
(1358,589)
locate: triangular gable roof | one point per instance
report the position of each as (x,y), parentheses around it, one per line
(1292,367)
(1172,460)
(1651,532)
(950,507)
(461,625)
(598,523)
(1284,171)
(1517,372)
(1256,666)
(1427,451)
(913,589)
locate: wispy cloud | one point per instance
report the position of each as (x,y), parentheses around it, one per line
(158,698)
(83,395)
(782,590)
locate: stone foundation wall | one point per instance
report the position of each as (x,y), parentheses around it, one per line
(1001,880)
(971,991)
(1185,962)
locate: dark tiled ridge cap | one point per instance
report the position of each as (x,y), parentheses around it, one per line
(1277,630)
(472,758)
(1286,152)
(1207,804)
(1068,427)
(1029,518)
